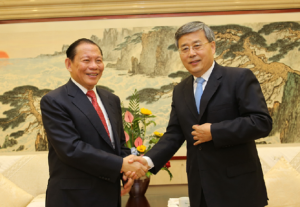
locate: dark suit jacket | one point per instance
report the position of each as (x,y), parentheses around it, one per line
(227,168)
(84,167)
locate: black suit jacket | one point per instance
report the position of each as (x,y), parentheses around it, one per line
(84,167)
(227,169)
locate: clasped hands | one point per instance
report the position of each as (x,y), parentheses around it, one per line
(133,167)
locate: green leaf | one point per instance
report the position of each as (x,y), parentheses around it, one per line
(150,122)
(134,101)
(170,174)
(148,174)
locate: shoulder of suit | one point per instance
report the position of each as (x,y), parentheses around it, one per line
(233,70)
(105,91)
(56,92)
(230,68)
(184,81)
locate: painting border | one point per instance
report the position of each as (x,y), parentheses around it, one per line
(150,16)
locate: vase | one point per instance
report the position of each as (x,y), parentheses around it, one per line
(137,193)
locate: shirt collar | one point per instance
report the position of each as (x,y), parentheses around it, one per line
(84,90)
(207,74)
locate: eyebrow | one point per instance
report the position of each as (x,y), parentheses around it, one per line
(196,41)
(88,56)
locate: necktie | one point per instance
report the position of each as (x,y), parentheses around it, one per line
(92,95)
(199,92)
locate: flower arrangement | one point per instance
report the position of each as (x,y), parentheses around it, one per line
(135,122)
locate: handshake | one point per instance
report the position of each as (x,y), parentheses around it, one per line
(134,167)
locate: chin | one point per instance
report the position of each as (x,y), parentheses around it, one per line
(92,81)
(195,71)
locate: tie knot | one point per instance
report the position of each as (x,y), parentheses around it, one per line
(91,94)
(200,80)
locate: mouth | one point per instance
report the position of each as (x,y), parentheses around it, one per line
(194,62)
(92,74)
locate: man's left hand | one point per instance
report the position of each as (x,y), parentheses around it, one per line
(127,185)
(201,133)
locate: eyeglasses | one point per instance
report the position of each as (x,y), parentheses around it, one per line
(195,47)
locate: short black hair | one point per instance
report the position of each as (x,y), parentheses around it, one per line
(71,51)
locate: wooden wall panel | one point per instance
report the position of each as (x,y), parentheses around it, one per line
(37,9)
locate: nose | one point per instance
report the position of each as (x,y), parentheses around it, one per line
(192,52)
(93,65)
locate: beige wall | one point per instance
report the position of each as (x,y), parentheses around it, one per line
(33,9)
(178,169)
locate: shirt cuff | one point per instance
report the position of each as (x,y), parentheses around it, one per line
(149,161)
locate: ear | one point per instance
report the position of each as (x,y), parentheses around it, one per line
(68,64)
(213,46)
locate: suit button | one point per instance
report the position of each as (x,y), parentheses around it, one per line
(200,148)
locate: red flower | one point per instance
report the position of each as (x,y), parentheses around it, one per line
(168,164)
(128,117)
(138,142)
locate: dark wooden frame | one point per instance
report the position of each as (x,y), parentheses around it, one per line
(150,15)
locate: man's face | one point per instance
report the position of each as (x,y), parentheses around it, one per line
(197,61)
(87,66)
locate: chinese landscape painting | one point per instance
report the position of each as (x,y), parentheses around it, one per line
(143,56)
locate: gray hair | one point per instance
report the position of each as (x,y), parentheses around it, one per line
(193,27)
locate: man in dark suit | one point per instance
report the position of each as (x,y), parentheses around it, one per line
(223,166)
(86,137)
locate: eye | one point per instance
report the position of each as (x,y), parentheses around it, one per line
(197,46)
(185,49)
(99,61)
(86,60)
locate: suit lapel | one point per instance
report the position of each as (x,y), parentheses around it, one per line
(210,88)
(108,105)
(81,101)
(189,96)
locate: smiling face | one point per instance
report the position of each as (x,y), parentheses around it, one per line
(197,62)
(87,65)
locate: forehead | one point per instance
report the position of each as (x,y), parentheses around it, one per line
(87,49)
(192,37)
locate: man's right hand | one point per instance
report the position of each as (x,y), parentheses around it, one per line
(141,160)
(132,164)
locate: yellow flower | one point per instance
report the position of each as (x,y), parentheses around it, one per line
(158,134)
(141,148)
(145,111)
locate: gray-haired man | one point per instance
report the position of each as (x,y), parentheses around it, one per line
(219,127)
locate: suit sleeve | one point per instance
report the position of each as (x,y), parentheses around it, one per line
(254,121)
(69,146)
(168,144)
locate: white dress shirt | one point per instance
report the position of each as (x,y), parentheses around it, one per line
(205,76)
